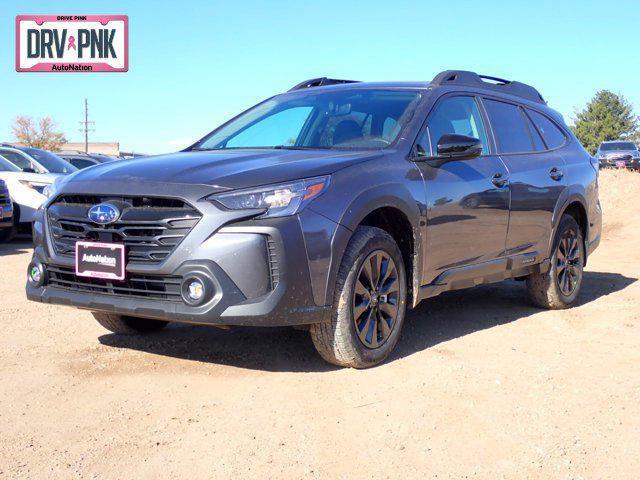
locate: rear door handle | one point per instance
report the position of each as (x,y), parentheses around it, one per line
(500,180)
(556,174)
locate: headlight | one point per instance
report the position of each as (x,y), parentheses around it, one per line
(277,200)
(38,187)
(48,191)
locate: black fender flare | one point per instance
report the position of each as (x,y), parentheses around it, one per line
(573,194)
(393,195)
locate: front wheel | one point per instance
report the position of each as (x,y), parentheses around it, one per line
(559,287)
(370,302)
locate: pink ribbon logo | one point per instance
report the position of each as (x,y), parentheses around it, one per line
(72,43)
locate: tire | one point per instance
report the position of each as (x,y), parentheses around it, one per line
(365,341)
(124,324)
(8,234)
(549,290)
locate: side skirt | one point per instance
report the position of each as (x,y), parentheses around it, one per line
(482,273)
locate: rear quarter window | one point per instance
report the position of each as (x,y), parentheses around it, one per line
(552,135)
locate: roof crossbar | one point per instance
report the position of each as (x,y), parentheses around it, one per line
(472,79)
(320,82)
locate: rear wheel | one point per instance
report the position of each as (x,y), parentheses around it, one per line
(560,286)
(370,302)
(128,325)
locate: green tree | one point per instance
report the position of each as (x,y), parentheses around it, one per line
(606,117)
(43,135)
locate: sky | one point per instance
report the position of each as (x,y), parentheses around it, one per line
(195,63)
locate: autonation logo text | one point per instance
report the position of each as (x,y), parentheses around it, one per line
(72,43)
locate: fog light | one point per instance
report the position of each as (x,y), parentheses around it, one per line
(36,274)
(196,290)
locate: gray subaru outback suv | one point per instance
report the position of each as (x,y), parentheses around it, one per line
(336,205)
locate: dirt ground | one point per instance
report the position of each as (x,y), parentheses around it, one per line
(482,385)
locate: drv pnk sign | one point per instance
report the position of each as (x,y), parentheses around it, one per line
(72,43)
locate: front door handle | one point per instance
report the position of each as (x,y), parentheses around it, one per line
(556,174)
(500,180)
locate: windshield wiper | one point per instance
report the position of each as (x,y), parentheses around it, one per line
(298,147)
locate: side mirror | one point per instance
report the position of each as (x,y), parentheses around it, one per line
(458,147)
(29,170)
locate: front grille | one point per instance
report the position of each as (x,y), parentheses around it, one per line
(149,227)
(136,286)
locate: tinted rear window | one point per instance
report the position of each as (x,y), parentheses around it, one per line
(552,135)
(509,127)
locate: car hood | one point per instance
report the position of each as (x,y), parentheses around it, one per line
(223,169)
(613,153)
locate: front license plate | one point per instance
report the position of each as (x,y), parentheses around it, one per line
(100,260)
(621,164)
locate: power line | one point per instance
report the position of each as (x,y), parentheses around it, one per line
(85,126)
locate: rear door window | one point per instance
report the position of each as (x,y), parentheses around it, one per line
(509,127)
(552,135)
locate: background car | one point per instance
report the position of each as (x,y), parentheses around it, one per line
(36,160)
(26,191)
(82,160)
(619,154)
(8,227)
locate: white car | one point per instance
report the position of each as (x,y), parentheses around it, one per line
(36,160)
(26,190)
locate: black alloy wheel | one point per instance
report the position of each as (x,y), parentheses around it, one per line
(568,262)
(375,299)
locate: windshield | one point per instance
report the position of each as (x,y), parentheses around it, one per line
(7,166)
(340,119)
(52,162)
(607,147)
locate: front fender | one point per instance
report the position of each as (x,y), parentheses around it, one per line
(394,195)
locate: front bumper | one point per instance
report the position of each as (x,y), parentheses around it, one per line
(633,164)
(238,259)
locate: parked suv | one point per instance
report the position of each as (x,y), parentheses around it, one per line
(619,154)
(7,225)
(336,205)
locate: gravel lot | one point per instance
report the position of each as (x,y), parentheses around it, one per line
(482,385)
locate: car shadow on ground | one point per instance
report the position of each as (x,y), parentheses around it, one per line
(20,244)
(449,316)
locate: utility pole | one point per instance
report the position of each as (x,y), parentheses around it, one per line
(85,126)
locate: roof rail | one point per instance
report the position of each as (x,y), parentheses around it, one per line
(319,82)
(472,79)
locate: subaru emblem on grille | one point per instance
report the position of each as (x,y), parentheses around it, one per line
(103,213)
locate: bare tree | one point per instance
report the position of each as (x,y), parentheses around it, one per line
(44,135)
